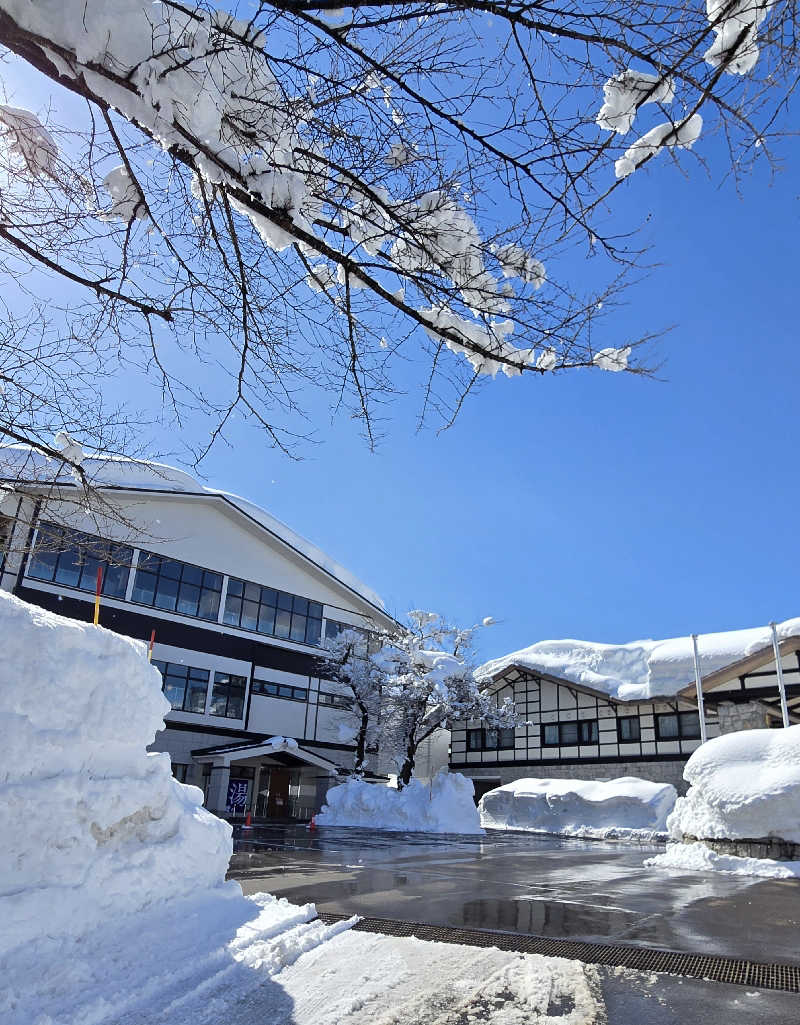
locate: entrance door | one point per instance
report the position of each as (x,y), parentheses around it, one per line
(278,804)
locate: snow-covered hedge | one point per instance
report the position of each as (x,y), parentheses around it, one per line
(446,805)
(742,786)
(626,808)
(92,828)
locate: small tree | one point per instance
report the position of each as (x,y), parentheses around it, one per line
(430,684)
(351,665)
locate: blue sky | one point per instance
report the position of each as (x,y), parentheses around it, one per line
(590,504)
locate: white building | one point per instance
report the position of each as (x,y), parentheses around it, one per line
(239,605)
(598,711)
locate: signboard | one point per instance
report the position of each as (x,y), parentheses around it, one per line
(237,795)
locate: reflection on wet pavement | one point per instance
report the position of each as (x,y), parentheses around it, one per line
(529,884)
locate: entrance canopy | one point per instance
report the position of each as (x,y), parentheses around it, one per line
(279,750)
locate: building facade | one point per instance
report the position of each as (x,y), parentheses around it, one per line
(237,607)
(577,731)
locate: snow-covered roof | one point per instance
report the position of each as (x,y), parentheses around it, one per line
(21,463)
(638,670)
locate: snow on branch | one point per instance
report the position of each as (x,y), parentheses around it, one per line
(682,135)
(26,136)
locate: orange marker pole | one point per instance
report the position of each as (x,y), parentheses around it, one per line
(150,646)
(97,595)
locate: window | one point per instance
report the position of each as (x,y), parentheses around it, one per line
(678,726)
(6,527)
(333,628)
(490,739)
(569,734)
(72,558)
(628,729)
(268,611)
(184,686)
(280,690)
(227,696)
(177,586)
(180,771)
(335,700)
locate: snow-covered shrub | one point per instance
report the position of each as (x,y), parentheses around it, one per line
(742,786)
(626,808)
(446,805)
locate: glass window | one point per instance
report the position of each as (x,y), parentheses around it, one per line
(550,734)
(179,771)
(588,731)
(568,733)
(72,558)
(336,700)
(280,690)
(689,725)
(277,613)
(628,729)
(667,727)
(505,738)
(185,687)
(227,696)
(490,739)
(177,587)
(474,740)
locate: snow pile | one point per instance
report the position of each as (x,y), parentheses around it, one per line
(616,809)
(92,827)
(639,670)
(682,135)
(743,786)
(444,806)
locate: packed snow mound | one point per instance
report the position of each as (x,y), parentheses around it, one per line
(446,805)
(743,786)
(617,809)
(92,827)
(638,670)
(696,857)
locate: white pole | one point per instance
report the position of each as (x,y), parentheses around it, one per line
(699,686)
(781,689)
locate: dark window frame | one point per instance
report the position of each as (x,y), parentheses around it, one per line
(182,773)
(505,740)
(331,700)
(629,719)
(683,731)
(270,689)
(264,606)
(174,671)
(223,686)
(162,569)
(580,728)
(65,543)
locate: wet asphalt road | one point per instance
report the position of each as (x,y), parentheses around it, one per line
(529,884)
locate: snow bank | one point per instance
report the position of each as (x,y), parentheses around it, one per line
(696,857)
(91,826)
(638,670)
(445,805)
(616,809)
(742,786)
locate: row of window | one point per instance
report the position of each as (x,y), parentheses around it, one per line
(488,739)
(575,733)
(72,558)
(280,690)
(186,689)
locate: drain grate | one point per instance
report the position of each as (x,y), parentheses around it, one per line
(643,959)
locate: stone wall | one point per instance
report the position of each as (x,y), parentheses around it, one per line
(657,772)
(750,715)
(771,847)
